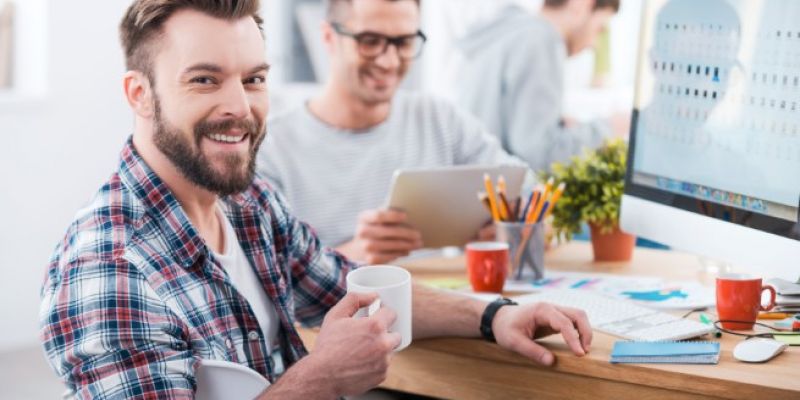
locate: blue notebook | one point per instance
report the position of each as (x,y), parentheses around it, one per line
(626,352)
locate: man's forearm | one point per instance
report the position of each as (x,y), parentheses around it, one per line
(438,313)
(301,381)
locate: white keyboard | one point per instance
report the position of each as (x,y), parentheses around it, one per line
(622,318)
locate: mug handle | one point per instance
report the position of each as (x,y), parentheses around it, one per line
(772,294)
(488,276)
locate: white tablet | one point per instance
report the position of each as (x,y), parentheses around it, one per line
(442,203)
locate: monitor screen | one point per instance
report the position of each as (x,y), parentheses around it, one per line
(716,119)
(714,161)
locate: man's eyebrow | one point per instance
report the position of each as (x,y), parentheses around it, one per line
(208,67)
(205,67)
(261,68)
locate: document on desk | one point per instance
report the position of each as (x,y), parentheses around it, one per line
(644,290)
(626,352)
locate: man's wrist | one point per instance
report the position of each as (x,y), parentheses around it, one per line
(488,317)
(305,379)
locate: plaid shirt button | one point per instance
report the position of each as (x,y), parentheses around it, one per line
(229,343)
(253,336)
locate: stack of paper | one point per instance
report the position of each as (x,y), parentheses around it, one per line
(788,299)
(665,353)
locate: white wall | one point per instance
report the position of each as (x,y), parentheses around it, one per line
(58,147)
(61,141)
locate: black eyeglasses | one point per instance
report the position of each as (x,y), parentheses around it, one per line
(371,44)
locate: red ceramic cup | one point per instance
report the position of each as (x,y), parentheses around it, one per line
(487,266)
(739,299)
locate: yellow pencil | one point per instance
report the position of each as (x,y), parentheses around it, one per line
(502,202)
(505,209)
(547,188)
(487,182)
(554,199)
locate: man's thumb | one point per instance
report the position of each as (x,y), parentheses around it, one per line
(350,304)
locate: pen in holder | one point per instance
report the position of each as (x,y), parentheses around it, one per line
(526,248)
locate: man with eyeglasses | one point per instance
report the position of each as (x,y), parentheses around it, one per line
(512,78)
(334,156)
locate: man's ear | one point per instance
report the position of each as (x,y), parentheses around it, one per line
(328,36)
(139,93)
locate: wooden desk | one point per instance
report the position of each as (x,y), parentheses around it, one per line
(474,369)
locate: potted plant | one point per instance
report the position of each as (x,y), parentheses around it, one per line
(595,183)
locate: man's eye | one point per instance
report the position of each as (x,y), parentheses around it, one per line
(203,80)
(256,80)
(371,40)
(405,42)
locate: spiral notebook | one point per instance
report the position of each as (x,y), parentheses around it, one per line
(626,352)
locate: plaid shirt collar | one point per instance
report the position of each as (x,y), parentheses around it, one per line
(186,244)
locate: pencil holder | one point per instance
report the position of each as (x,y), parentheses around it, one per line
(526,248)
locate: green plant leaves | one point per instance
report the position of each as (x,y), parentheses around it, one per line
(595,183)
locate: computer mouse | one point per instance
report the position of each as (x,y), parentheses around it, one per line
(758,350)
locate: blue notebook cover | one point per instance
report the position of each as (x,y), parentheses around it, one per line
(665,352)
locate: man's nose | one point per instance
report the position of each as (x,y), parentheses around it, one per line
(389,59)
(234,101)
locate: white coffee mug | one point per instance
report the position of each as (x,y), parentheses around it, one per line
(393,286)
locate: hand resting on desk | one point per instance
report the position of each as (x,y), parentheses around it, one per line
(515,327)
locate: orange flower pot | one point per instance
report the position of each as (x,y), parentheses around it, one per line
(613,246)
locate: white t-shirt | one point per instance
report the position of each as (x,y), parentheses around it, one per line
(244,278)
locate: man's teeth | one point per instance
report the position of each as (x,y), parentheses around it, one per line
(225,138)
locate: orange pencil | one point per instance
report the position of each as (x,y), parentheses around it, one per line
(547,188)
(487,182)
(529,214)
(554,199)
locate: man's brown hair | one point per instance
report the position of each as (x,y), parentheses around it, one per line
(598,4)
(144,20)
(336,10)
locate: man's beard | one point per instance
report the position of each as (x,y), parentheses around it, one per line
(237,173)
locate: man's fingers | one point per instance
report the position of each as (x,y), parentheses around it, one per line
(350,304)
(388,216)
(385,317)
(394,340)
(488,232)
(528,348)
(580,320)
(561,323)
(386,232)
(391,246)
(382,258)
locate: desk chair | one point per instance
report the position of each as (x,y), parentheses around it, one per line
(218,380)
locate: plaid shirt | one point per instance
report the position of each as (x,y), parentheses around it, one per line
(133,297)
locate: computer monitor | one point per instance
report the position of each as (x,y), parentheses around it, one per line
(714,160)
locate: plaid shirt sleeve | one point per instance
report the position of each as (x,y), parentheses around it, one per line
(318,273)
(109,336)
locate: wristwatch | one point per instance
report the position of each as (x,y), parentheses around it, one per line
(488,316)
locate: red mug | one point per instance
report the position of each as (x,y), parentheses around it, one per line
(739,299)
(487,266)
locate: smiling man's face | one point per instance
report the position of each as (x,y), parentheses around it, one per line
(374,80)
(210,99)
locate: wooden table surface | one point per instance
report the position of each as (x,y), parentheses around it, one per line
(475,369)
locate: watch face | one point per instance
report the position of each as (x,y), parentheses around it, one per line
(488,317)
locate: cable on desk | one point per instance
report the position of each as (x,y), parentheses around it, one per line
(769,335)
